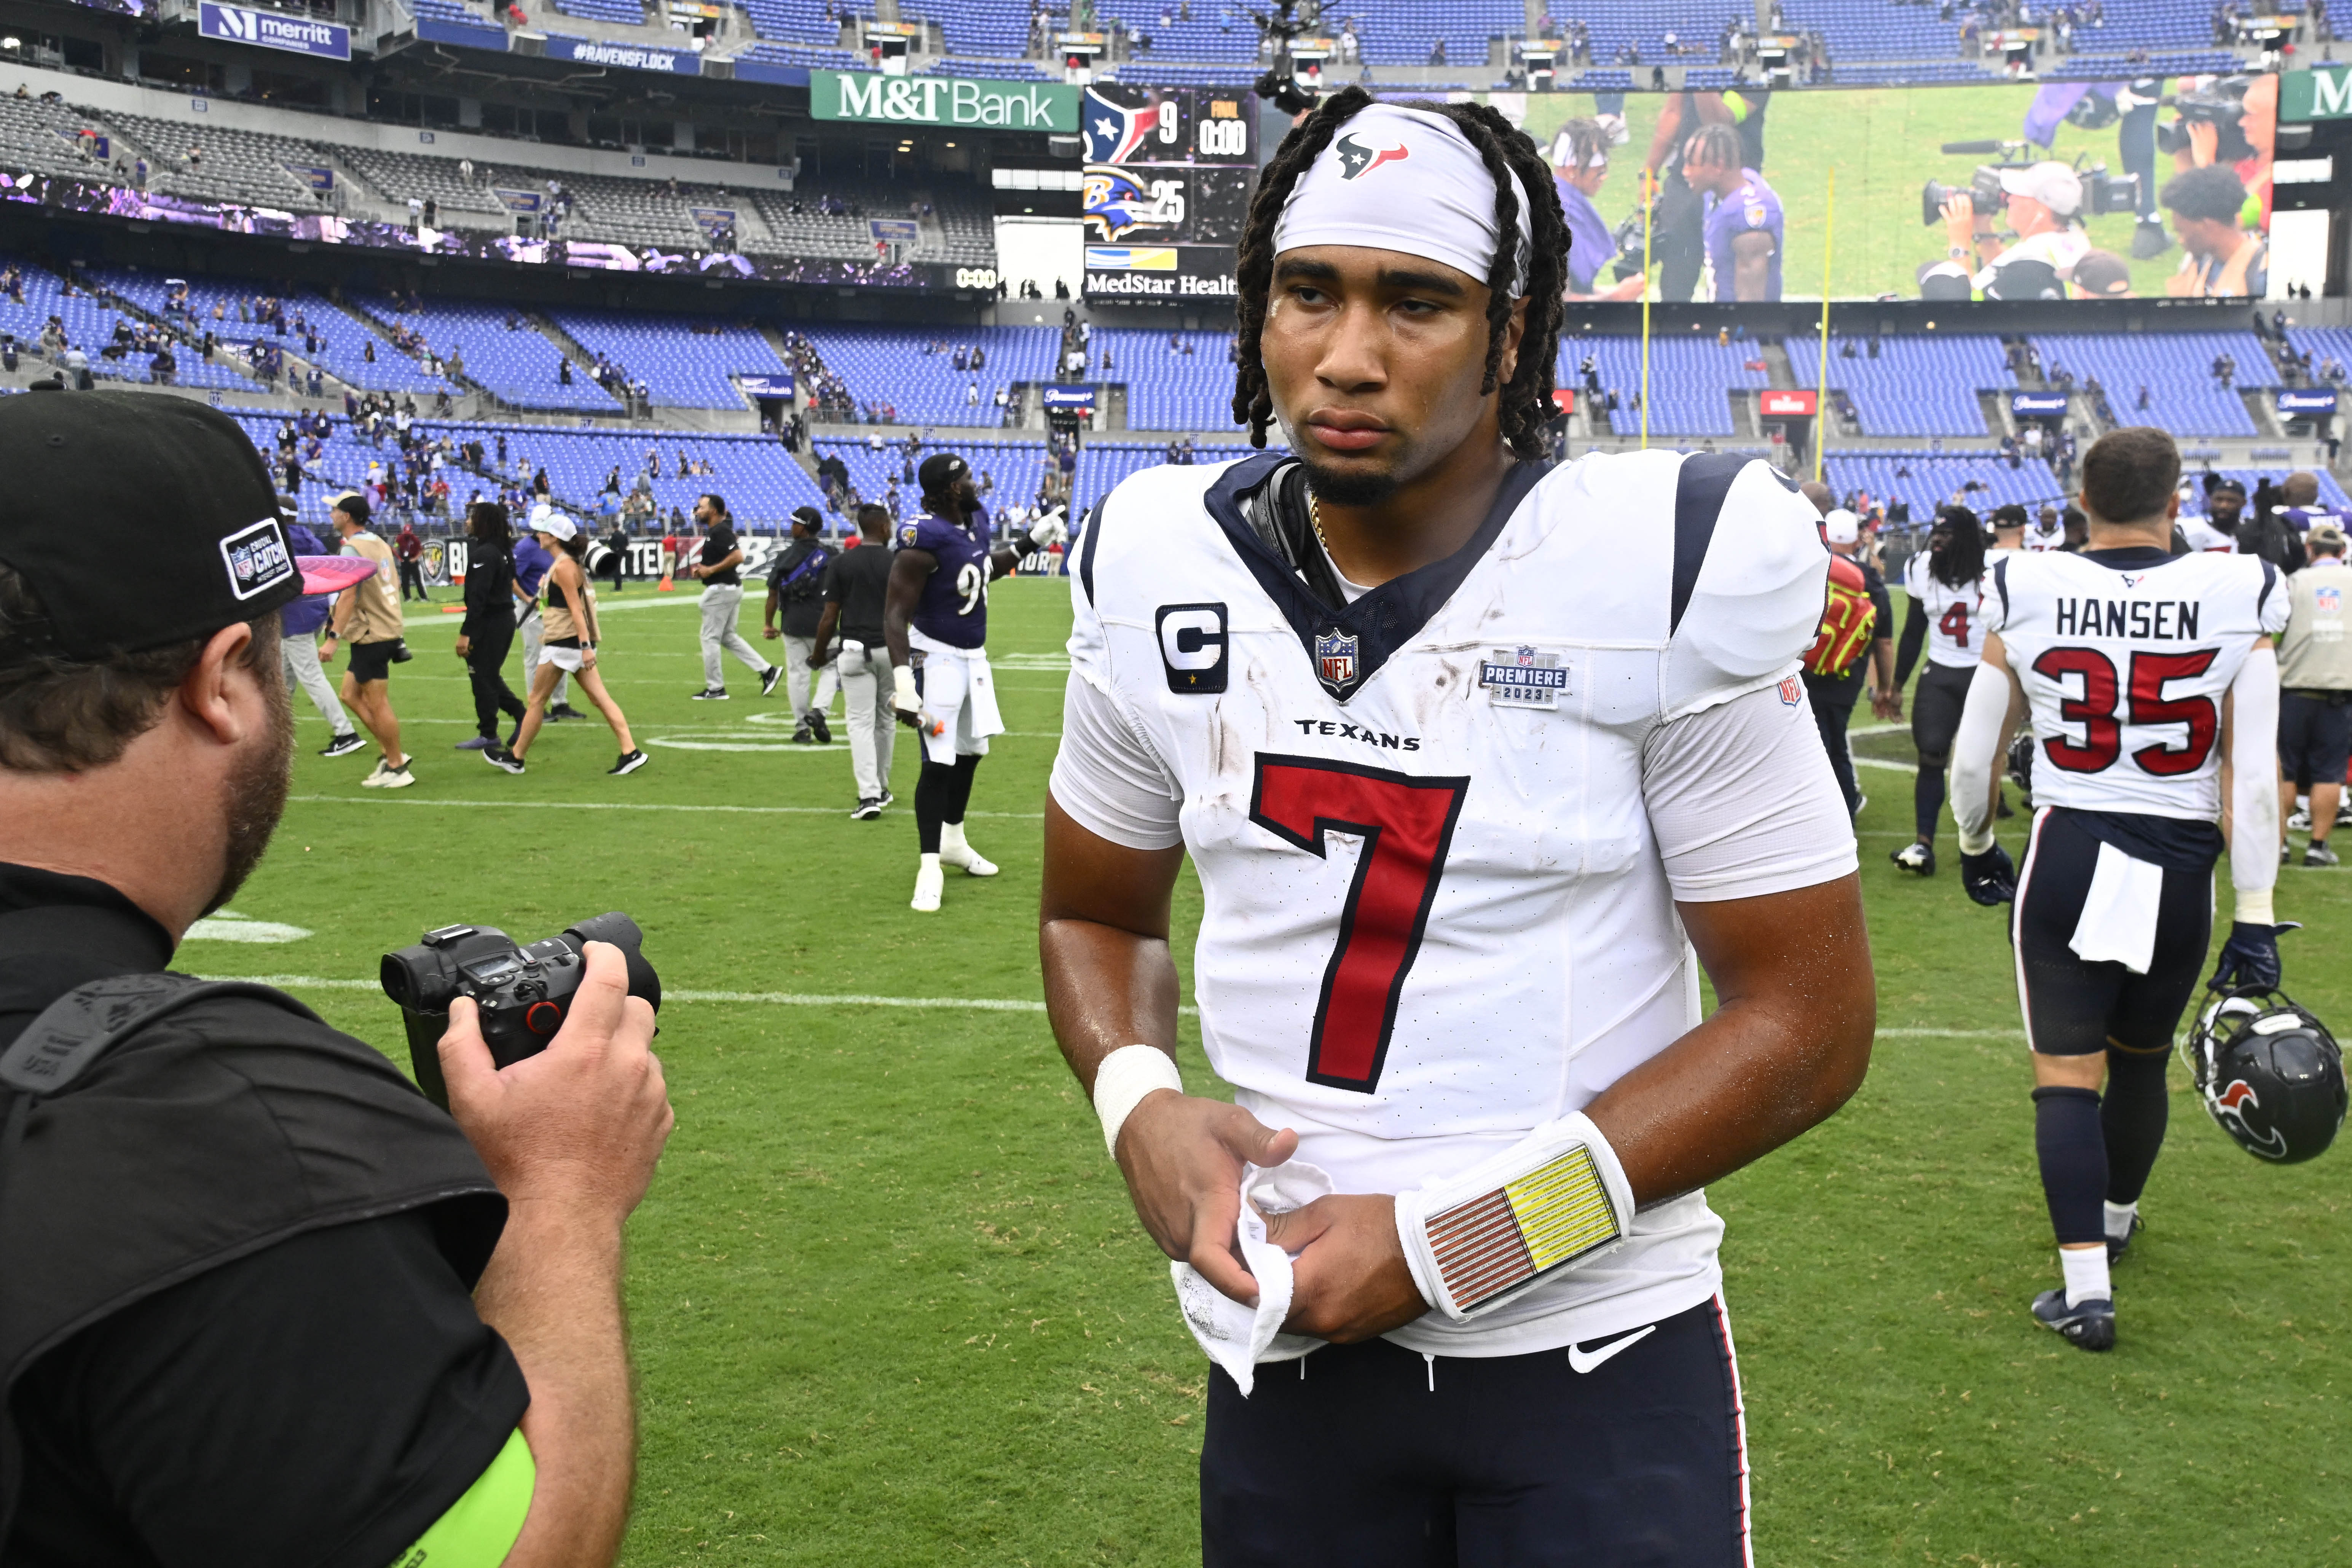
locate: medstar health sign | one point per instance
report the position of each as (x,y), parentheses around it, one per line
(949,103)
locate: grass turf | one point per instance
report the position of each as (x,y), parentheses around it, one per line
(890,1304)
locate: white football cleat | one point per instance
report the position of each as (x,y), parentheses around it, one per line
(929,882)
(955,851)
(967,857)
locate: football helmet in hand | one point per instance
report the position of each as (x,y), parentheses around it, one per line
(2270,1073)
(1990,878)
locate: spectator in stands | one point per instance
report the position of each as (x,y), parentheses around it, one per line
(2223,260)
(2044,203)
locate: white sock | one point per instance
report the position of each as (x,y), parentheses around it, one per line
(2086,1273)
(2119,1219)
(951,836)
(930,862)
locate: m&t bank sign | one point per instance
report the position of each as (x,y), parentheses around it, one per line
(949,103)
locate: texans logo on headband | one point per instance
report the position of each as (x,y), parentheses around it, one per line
(1357,159)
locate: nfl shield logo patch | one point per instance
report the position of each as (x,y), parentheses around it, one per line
(1335,659)
(1792,691)
(2328,601)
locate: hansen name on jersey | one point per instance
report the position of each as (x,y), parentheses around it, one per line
(2125,656)
(1437,913)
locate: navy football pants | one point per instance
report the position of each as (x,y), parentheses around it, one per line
(1514,1461)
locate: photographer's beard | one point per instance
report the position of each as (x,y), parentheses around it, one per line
(258,787)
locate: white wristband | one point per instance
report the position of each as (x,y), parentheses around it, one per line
(2255,907)
(1124,1077)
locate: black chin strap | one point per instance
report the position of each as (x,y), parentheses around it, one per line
(1279,512)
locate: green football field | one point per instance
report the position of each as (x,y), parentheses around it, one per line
(1884,144)
(891,1306)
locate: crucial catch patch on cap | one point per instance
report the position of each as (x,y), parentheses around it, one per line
(256,558)
(1501,1239)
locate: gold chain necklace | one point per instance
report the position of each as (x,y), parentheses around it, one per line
(1314,516)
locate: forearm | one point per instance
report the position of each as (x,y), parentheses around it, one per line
(1975,752)
(552,1291)
(1775,1058)
(1914,642)
(2253,720)
(1881,662)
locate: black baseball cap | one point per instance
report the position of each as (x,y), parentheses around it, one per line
(941,471)
(140,518)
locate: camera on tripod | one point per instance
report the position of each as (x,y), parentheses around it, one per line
(522,994)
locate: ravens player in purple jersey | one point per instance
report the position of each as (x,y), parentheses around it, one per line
(935,618)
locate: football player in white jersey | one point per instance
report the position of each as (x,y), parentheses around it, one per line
(2047,532)
(1478,762)
(2141,673)
(1945,584)
(2008,532)
(2216,533)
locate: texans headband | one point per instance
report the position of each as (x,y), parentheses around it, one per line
(1403,180)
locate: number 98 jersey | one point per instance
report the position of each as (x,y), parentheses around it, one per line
(2125,655)
(954,605)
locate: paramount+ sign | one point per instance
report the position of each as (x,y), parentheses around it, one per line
(949,103)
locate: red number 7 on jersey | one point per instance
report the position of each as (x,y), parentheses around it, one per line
(1407,825)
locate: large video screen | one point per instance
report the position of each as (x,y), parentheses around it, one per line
(2074,189)
(1167,185)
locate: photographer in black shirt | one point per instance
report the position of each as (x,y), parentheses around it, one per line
(260,1302)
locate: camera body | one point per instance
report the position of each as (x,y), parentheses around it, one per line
(522,994)
(2220,104)
(1628,261)
(1983,188)
(2103,193)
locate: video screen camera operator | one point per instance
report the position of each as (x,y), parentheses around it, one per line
(260,1302)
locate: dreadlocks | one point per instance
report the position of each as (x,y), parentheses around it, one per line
(1526,405)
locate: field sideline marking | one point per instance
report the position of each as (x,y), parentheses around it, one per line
(971,1004)
(621,805)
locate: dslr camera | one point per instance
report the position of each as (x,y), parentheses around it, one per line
(524,994)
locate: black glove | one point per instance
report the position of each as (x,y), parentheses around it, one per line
(2249,958)
(1990,878)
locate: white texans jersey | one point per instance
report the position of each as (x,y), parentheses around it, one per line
(2207,539)
(2125,655)
(1436,911)
(1955,629)
(2038,538)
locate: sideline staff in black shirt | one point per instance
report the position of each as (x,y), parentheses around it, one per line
(236,1247)
(854,584)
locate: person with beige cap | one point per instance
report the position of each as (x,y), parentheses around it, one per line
(2314,733)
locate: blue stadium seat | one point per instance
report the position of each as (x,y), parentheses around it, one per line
(2176,370)
(684,361)
(1926,480)
(887,365)
(1689,378)
(1916,386)
(519,367)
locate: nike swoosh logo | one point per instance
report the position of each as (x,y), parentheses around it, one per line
(1584,1360)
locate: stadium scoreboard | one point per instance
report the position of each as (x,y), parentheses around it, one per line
(1166,188)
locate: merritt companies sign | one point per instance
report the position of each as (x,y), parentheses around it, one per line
(950,103)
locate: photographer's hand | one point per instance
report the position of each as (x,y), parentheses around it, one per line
(2204,142)
(571,1136)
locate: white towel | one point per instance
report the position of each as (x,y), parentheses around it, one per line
(2118,921)
(1234,1336)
